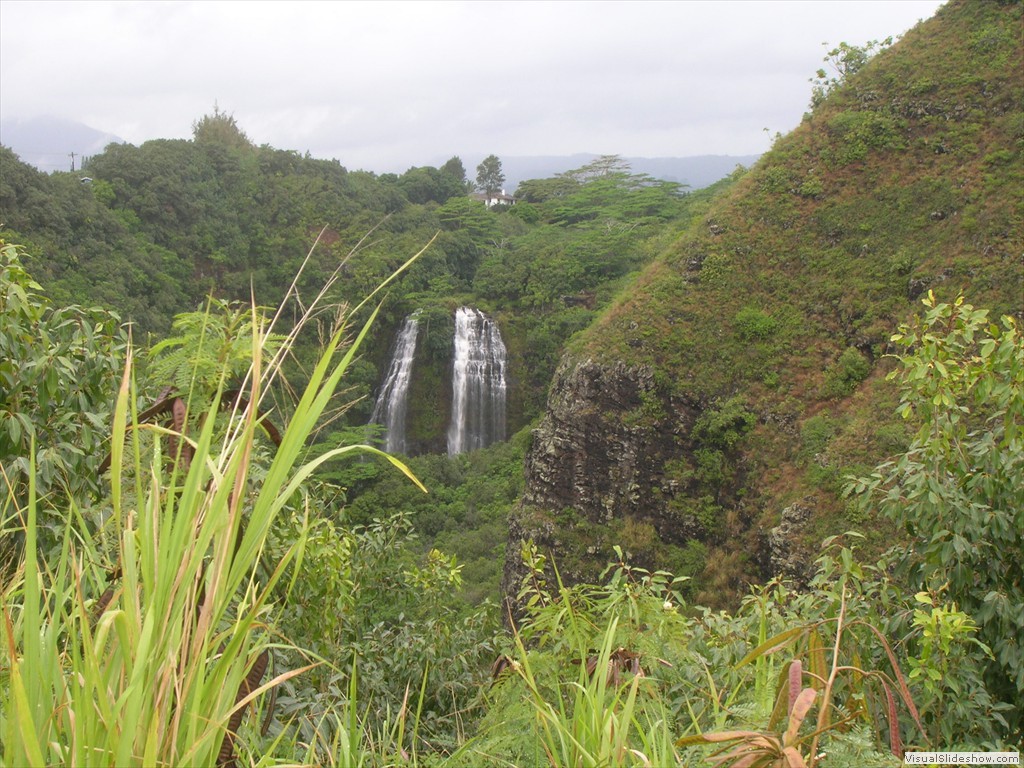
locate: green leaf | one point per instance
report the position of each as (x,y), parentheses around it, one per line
(772,644)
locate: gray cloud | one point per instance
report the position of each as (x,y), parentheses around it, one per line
(387,85)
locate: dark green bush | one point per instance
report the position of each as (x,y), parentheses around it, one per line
(843,376)
(859,132)
(754,324)
(816,433)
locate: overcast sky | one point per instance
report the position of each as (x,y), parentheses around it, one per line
(384,86)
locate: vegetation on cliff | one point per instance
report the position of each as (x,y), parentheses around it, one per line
(777,305)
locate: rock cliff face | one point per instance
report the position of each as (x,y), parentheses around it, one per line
(782,553)
(598,459)
(585,455)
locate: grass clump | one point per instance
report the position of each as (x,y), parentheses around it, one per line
(143,641)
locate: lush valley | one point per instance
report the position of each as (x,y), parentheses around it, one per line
(703,386)
(160,226)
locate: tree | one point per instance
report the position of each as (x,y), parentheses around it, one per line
(453,167)
(461,213)
(220,128)
(845,60)
(422,185)
(541,190)
(207,344)
(958,488)
(605,165)
(489,176)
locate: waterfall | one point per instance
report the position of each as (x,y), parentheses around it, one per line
(389,410)
(478,383)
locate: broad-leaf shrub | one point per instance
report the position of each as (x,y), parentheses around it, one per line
(58,367)
(959,488)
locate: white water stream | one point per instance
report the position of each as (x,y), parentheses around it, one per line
(392,402)
(478,383)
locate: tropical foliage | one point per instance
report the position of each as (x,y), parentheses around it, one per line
(57,366)
(202,563)
(354,648)
(957,490)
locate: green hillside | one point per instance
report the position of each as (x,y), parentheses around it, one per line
(742,377)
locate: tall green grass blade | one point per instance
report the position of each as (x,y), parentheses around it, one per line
(25,744)
(32,692)
(117,436)
(152,679)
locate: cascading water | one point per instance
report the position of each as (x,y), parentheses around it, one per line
(389,410)
(478,383)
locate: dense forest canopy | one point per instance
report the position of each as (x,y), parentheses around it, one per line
(158,227)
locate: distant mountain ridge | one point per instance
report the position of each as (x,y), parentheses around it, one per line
(696,172)
(49,142)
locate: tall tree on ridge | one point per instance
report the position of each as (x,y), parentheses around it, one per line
(489,176)
(220,128)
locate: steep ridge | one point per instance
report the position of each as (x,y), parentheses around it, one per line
(706,421)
